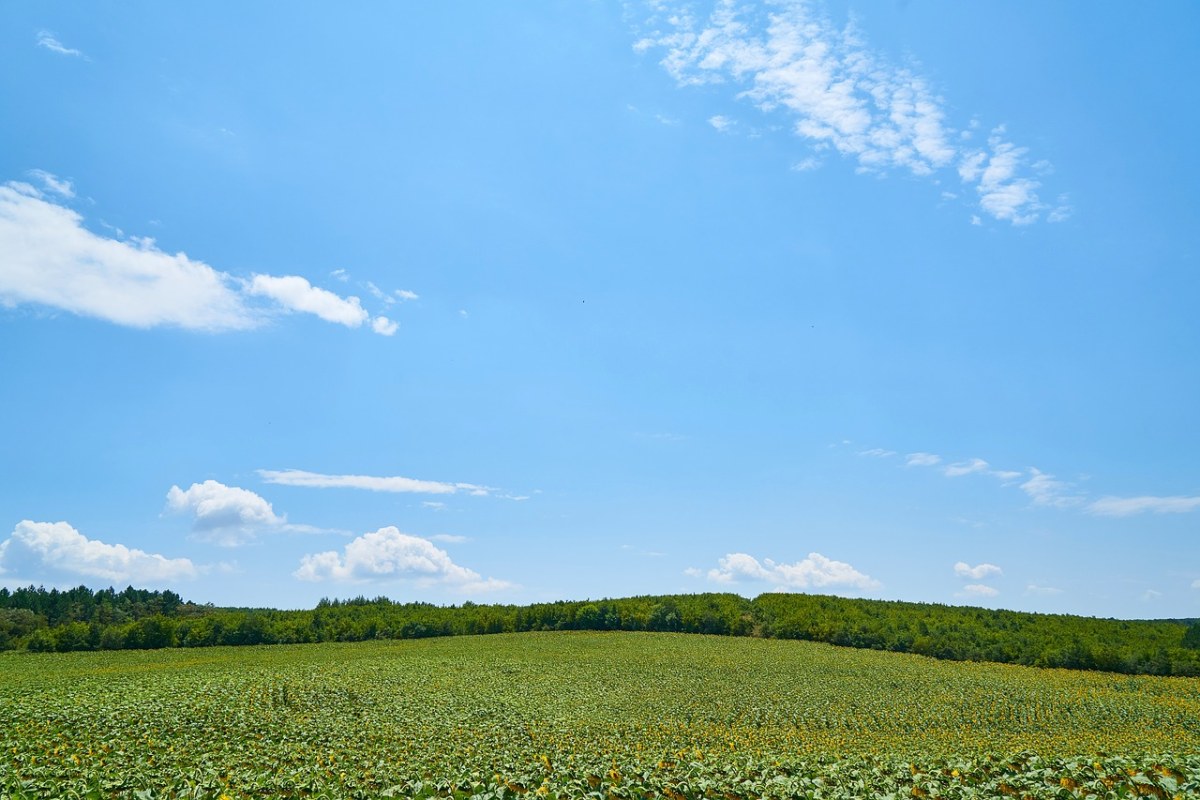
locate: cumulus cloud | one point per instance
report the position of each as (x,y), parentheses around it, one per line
(979,590)
(388,554)
(1129,506)
(50,42)
(226,515)
(52,259)
(977,572)
(295,293)
(816,571)
(836,91)
(316,480)
(35,549)
(921,460)
(384,326)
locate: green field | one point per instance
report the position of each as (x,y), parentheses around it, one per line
(595,715)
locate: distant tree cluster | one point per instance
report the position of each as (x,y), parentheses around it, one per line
(42,620)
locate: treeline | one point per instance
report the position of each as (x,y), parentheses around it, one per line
(78,619)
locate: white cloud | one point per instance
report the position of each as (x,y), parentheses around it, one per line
(979,590)
(226,515)
(384,326)
(1045,490)
(35,548)
(388,554)
(806,164)
(836,91)
(878,452)
(921,460)
(816,571)
(378,293)
(395,483)
(1128,506)
(53,183)
(1003,193)
(977,572)
(1006,475)
(297,294)
(47,40)
(405,294)
(1045,591)
(966,467)
(449,538)
(51,259)
(722,123)
(341,275)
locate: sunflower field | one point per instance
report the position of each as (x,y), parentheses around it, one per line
(584,715)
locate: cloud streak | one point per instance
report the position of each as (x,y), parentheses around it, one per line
(51,259)
(837,93)
(372,483)
(49,41)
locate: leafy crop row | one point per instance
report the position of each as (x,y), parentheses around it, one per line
(584,715)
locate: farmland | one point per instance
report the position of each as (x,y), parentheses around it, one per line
(584,715)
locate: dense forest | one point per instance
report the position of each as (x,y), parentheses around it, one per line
(38,619)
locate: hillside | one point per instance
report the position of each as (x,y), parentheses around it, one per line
(80,619)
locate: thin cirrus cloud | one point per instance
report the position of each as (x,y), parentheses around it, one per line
(1045,490)
(840,95)
(39,550)
(389,555)
(49,41)
(373,483)
(814,572)
(52,259)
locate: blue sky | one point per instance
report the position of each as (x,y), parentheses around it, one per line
(522,302)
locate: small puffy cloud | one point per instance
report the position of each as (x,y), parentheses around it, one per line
(721,122)
(50,42)
(1129,506)
(35,549)
(966,468)
(295,293)
(977,572)
(386,555)
(921,460)
(384,326)
(227,515)
(405,294)
(1003,192)
(816,571)
(373,483)
(979,590)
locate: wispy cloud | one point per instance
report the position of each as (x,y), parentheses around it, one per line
(977,572)
(389,555)
(837,92)
(51,259)
(722,123)
(815,571)
(50,42)
(1046,490)
(979,590)
(1042,591)
(966,468)
(373,483)
(36,550)
(922,460)
(1145,504)
(877,452)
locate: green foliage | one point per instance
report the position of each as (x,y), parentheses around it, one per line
(593,716)
(138,619)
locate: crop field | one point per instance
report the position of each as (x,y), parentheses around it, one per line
(584,715)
